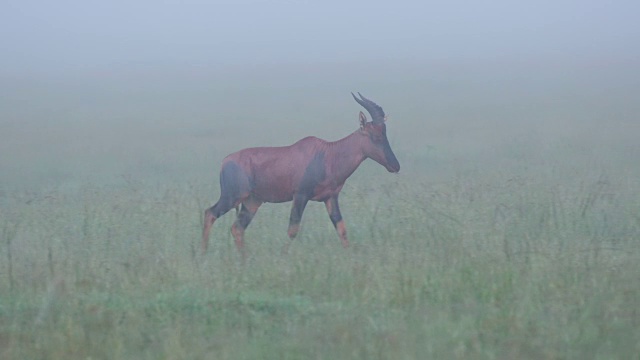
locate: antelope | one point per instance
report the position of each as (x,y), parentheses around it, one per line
(311,169)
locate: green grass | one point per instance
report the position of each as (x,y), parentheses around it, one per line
(446,271)
(525,246)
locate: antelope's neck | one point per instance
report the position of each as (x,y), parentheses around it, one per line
(345,156)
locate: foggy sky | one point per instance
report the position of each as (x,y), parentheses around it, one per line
(70,36)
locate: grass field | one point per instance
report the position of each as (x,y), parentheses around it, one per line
(511,232)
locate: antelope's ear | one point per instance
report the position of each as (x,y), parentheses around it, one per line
(363,120)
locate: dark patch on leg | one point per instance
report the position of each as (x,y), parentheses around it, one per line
(336,218)
(313,175)
(334,210)
(234,184)
(299,203)
(244,217)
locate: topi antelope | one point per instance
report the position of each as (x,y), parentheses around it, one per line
(310,169)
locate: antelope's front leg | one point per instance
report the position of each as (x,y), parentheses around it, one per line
(336,218)
(299,203)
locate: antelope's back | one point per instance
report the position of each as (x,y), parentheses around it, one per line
(276,172)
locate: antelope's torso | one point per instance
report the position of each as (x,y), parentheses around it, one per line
(311,166)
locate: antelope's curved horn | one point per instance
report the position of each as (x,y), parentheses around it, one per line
(376,112)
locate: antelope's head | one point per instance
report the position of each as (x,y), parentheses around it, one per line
(374,134)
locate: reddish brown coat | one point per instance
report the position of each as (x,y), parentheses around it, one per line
(311,169)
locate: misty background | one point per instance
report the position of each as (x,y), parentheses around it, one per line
(93,89)
(65,37)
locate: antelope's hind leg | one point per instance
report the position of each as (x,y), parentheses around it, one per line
(211,215)
(209,219)
(247,212)
(234,187)
(336,218)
